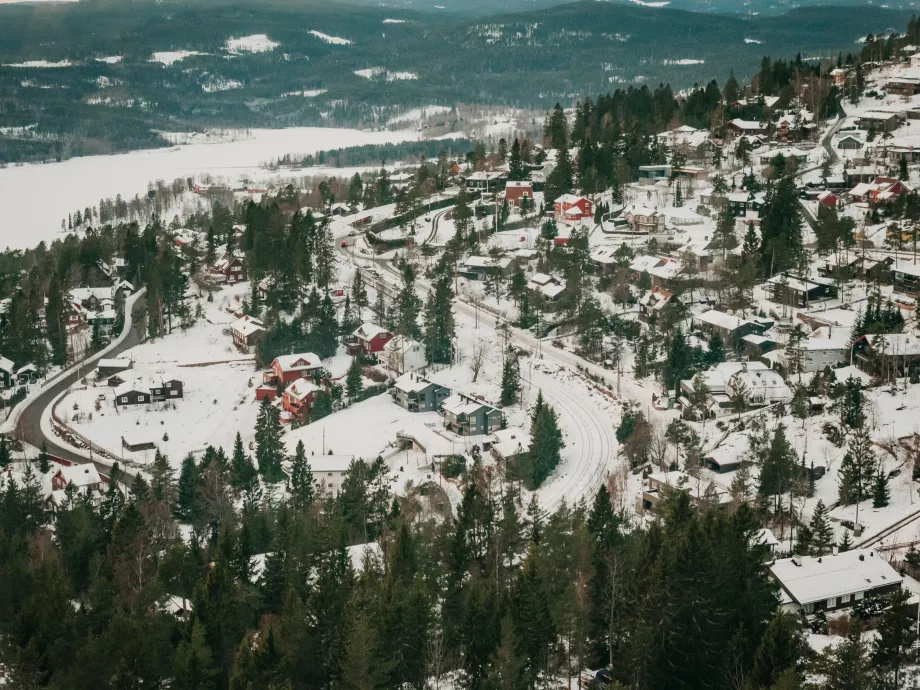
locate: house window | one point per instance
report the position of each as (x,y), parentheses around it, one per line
(174,392)
(330,474)
(124,398)
(859,596)
(831,603)
(845,599)
(809,608)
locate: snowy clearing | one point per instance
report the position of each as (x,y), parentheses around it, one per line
(217,85)
(394,21)
(753,40)
(81,181)
(418,114)
(370,72)
(333,40)
(257,43)
(40,63)
(309,93)
(401,76)
(111,59)
(651,4)
(684,61)
(171,57)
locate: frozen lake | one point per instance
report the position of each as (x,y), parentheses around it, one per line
(36,197)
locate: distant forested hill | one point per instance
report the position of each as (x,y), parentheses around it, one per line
(340,64)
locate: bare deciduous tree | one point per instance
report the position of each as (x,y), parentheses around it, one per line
(478,358)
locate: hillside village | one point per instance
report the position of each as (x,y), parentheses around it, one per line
(605,349)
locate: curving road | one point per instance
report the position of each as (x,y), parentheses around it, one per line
(28,428)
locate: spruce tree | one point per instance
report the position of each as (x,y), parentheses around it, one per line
(354,383)
(193,666)
(880,494)
(269,446)
(359,292)
(187,508)
(891,651)
(822,534)
(163,479)
(439,322)
(511,378)
(545,448)
(241,469)
(302,487)
(845,542)
(44,463)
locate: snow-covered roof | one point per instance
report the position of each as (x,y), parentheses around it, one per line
(552,290)
(717,377)
(541,279)
(84,293)
(458,404)
(247,325)
(6,364)
(657,298)
(666,271)
(401,343)
(720,319)
(765,382)
(745,124)
(411,383)
(329,463)
(369,331)
(570,199)
(511,441)
(766,537)
(301,388)
(645,262)
(484,176)
(487,262)
(119,363)
(80,475)
(812,579)
(298,362)
(517,184)
(906,267)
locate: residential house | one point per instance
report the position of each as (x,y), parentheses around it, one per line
(131,393)
(508,445)
(84,478)
(662,484)
(880,121)
(739,126)
(881,190)
(287,368)
(228,269)
(758,388)
(329,471)
(486,182)
(798,291)
(645,220)
(715,380)
(417,394)
(833,581)
(403,354)
(515,192)
(75,317)
(827,346)
(829,200)
(697,256)
(885,354)
(298,398)
(109,367)
(850,142)
(549,288)
(653,302)
(165,390)
(839,76)
(903,86)
(468,416)
(665,274)
(94,298)
(573,208)
(247,332)
(741,203)
(7,372)
(906,276)
(134,441)
(654,172)
(731,328)
(369,339)
(479,267)
(27,374)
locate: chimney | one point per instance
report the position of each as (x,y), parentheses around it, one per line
(862,557)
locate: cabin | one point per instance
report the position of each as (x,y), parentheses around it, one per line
(165,390)
(109,367)
(131,394)
(906,277)
(880,121)
(228,269)
(549,288)
(417,394)
(651,173)
(509,445)
(368,339)
(135,442)
(247,332)
(833,582)
(731,328)
(7,372)
(486,182)
(654,302)
(402,355)
(468,416)
(887,353)
(850,143)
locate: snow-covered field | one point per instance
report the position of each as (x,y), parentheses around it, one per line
(79,182)
(39,63)
(332,40)
(170,57)
(257,43)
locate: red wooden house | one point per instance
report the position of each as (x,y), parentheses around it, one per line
(516,191)
(287,368)
(368,339)
(571,207)
(829,199)
(229,268)
(298,397)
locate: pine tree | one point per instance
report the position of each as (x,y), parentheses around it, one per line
(409,306)
(359,292)
(822,534)
(241,469)
(545,447)
(439,322)
(96,343)
(511,378)
(163,479)
(44,462)
(891,651)
(302,487)
(880,494)
(269,446)
(354,383)
(781,647)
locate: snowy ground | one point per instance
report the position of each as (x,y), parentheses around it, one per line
(79,182)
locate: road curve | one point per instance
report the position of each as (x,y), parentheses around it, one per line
(28,428)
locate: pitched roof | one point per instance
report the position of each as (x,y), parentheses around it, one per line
(412,383)
(301,388)
(6,364)
(369,331)
(298,362)
(247,325)
(80,475)
(720,319)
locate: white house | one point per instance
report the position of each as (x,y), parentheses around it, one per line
(826,583)
(329,470)
(403,354)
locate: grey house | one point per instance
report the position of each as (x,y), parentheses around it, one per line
(417,394)
(470,417)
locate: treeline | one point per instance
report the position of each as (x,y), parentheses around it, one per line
(372,154)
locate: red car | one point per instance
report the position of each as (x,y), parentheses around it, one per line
(344,243)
